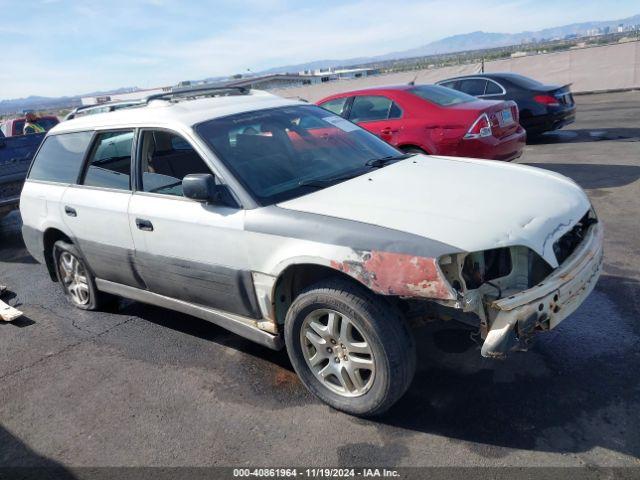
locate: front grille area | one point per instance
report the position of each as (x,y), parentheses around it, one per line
(567,244)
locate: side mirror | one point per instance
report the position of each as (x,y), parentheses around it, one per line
(201,187)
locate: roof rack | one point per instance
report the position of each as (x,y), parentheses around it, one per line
(195,92)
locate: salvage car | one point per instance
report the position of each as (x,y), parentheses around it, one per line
(292,226)
(543,108)
(434,120)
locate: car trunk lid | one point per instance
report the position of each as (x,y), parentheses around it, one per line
(561,92)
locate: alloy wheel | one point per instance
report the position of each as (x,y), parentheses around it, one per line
(337,352)
(74,278)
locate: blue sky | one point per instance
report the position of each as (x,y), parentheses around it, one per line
(65,47)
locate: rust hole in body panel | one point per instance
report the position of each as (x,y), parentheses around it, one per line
(398,274)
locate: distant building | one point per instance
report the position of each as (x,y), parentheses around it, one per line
(278,80)
(120,97)
(341,73)
(259,82)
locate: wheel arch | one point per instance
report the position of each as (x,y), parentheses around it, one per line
(295,277)
(50,237)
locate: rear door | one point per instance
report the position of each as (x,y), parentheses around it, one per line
(96,210)
(378,114)
(185,249)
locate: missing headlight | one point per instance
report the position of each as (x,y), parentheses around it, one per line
(482,267)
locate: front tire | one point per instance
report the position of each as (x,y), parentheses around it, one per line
(350,348)
(78,284)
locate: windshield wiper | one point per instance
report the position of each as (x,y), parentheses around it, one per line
(382,162)
(326,182)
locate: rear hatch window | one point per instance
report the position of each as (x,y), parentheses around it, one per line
(443,96)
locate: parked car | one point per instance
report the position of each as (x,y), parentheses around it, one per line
(290,225)
(14,126)
(15,157)
(100,108)
(434,120)
(542,107)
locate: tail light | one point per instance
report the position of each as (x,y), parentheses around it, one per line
(480,128)
(548,100)
(515,113)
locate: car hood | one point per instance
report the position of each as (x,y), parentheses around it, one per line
(469,204)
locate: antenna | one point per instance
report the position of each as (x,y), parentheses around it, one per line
(413,82)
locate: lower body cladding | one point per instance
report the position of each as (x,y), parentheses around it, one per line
(246,327)
(536,125)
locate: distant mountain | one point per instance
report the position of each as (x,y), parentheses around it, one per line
(463,42)
(51,103)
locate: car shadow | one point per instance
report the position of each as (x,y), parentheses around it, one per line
(18,460)
(202,329)
(558,397)
(573,391)
(12,248)
(593,176)
(583,135)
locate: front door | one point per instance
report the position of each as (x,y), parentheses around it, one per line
(185,249)
(96,210)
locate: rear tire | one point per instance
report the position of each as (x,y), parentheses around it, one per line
(350,348)
(78,284)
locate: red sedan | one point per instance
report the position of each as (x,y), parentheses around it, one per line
(434,120)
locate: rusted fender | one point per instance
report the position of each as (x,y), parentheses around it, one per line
(397,274)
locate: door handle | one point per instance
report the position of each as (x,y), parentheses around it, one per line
(388,131)
(70,211)
(145,225)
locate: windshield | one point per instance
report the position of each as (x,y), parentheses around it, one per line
(442,96)
(285,152)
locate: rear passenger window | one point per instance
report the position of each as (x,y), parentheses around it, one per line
(370,108)
(166,158)
(473,86)
(60,157)
(110,161)
(336,106)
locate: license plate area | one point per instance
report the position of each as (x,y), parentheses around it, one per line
(506,117)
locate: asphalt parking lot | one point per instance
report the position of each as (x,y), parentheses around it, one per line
(144,386)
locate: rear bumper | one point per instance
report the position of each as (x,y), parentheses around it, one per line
(549,121)
(491,148)
(518,317)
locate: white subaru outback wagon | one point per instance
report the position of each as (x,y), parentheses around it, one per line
(289,225)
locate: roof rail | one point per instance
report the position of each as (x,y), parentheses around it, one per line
(194,92)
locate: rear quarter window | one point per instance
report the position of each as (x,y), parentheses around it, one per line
(60,157)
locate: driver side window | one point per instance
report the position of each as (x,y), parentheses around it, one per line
(166,158)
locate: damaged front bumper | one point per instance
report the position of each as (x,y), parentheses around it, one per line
(514,319)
